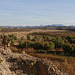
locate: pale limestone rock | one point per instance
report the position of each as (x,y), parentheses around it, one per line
(16,60)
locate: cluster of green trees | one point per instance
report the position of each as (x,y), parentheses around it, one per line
(28,37)
(59,42)
(50,43)
(36,38)
(37,45)
(71,39)
(69,49)
(13,38)
(46,38)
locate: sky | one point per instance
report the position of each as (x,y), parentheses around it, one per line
(37,12)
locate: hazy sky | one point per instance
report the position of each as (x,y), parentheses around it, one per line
(36,12)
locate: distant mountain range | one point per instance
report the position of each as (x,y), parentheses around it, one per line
(53,25)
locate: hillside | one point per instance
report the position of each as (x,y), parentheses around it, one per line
(24,64)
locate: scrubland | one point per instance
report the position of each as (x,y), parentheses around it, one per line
(58,46)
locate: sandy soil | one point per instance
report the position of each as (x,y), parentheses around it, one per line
(24,33)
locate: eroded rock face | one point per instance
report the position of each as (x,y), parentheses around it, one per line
(4,69)
(24,64)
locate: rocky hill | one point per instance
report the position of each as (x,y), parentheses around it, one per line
(24,64)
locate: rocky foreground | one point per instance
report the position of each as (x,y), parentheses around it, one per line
(24,64)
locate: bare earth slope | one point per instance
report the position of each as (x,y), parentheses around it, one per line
(24,64)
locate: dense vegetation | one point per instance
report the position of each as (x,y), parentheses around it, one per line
(12,38)
(47,44)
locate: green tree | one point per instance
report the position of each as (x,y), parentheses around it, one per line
(27,44)
(21,43)
(38,45)
(37,38)
(51,45)
(47,38)
(28,37)
(34,39)
(74,52)
(46,46)
(69,38)
(12,42)
(68,49)
(13,36)
(59,42)
(65,40)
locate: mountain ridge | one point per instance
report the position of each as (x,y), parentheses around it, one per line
(29,26)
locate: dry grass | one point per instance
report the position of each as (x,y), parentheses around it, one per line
(24,33)
(19,50)
(66,64)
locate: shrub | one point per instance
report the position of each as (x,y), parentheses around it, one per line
(12,42)
(13,36)
(68,49)
(46,38)
(28,37)
(69,39)
(21,43)
(37,38)
(24,44)
(74,51)
(65,40)
(49,46)
(59,42)
(34,39)
(27,44)
(38,45)
(52,45)
(46,46)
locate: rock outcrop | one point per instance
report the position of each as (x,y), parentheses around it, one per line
(24,64)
